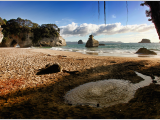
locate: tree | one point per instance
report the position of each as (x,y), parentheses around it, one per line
(154,13)
(19,25)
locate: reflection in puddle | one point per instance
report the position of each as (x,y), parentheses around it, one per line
(105,93)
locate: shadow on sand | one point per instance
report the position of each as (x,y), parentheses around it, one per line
(47,101)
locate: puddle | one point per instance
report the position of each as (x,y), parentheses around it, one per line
(105,93)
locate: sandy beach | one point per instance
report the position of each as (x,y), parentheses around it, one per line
(23,94)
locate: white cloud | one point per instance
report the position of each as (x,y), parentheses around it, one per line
(133,37)
(113,16)
(109,29)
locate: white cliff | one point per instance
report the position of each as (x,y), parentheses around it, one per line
(1,35)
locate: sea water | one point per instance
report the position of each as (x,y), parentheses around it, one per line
(110,49)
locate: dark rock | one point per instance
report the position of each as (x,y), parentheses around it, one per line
(154,81)
(145,41)
(112,62)
(49,68)
(145,51)
(101,44)
(92,42)
(71,72)
(80,42)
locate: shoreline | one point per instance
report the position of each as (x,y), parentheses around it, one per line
(78,54)
(20,86)
(23,63)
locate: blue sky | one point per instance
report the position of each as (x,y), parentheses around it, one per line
(79,19)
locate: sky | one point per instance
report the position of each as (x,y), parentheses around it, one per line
(78,19)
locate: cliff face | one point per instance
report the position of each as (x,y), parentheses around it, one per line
(1,35)
(145,41)
(25,40)
(52,42)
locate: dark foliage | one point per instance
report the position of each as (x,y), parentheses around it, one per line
(45,30)
(154,13)
(17,26)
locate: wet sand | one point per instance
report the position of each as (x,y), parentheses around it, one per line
(23,94)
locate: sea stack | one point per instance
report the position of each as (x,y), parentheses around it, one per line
(80,42)
(92,42)
(145,41)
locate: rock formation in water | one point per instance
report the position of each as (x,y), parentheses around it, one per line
(25,40)
(92,42)
(80,42)
(1,35)
(145,41)
(145,51)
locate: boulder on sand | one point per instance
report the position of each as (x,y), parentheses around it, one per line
(145,51)
(92,42)
(50,68)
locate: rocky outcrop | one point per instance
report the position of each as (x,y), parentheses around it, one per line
(25,40)
(145,51)
(51,42)
(1,35)
(80,42)
(145,41)
(92,42)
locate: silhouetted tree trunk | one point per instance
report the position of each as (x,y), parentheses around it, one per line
(154,13)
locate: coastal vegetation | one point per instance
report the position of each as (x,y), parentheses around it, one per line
(18,26)
(153,13)
(2,21)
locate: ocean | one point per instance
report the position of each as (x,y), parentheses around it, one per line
(110,49)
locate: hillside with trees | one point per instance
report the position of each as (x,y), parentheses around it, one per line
(18,26)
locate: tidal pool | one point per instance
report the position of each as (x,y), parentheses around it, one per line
(104,93)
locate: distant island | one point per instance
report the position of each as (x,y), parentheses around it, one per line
(145,41)
(102,42)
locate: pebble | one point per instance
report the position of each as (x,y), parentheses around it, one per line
(18,64)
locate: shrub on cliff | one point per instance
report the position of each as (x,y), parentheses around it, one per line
(17,26)
(45,30)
